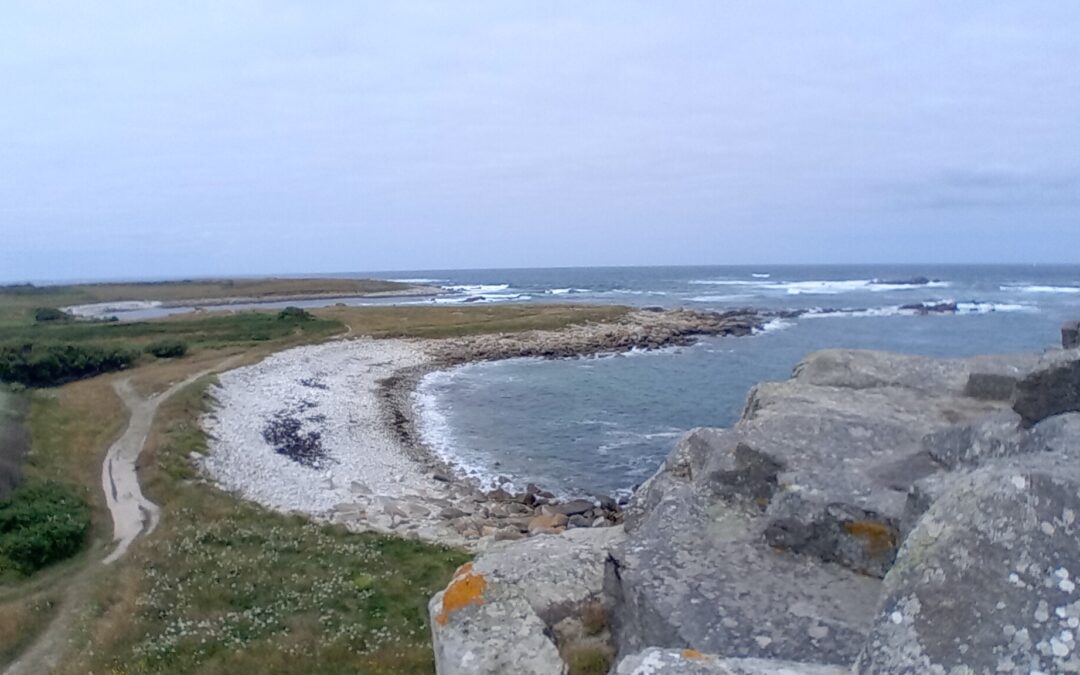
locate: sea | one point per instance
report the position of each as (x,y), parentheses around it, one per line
(602,425)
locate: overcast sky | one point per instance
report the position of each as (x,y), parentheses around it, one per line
(194,138)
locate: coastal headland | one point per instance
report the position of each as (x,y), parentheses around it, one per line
(330,430)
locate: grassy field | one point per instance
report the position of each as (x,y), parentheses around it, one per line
(178,291)
(224,586)
(441,322)
(13,439)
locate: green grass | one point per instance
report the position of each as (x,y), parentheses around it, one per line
(42,523)
(225,586)
(429,321)
(206,332)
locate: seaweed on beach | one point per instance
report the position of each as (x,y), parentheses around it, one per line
(284,433)
(314,383)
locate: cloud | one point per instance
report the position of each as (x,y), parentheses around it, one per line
(990,188)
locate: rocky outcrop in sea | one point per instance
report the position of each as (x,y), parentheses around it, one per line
(876,513)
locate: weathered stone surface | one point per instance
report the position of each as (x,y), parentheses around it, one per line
(547,523)
(689,662)
(859,369)
(848,458)
(986,582)
(1049,391)
(1070,335)
(490,638)
(574,507)
(765,544)
(995,435)
(990,386)
(695,573)
(495,616)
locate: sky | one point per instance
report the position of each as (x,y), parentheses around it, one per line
(158,140)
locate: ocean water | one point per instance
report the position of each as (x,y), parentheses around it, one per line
(603,425)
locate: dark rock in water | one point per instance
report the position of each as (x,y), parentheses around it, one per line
(1049,391)
(474,298)
(652,308)
(913,281)
(987,582)
(990,386)
(1070,335)
(932,308)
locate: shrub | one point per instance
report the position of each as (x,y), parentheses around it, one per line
(43,314)
(42,523)
(167,349)
(295,314)
(50,365)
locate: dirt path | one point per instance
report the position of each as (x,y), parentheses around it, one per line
(132,513)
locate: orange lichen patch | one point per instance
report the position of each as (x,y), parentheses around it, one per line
(465,589)
(694,655)
(880,539)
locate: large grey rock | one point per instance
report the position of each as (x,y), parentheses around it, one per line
(655,661)
(860,369)
(1070,335)
(695,573)
(847,459)
(495,616)
(993,436)
(1049,391)
(986,582)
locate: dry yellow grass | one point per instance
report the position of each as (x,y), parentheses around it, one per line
(21,618)
(436,321)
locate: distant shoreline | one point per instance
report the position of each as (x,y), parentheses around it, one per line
(118,307)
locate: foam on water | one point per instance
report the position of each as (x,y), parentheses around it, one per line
(605,423)
(478,288)
(721,298)
(567,291)
(1042,289)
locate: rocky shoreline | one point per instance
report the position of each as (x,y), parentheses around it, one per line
(876,513)
(330,430)
(503,515)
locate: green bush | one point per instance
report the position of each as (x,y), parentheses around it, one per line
(167,349)
(49,365)
(43,314)
(295,314)
(40,524)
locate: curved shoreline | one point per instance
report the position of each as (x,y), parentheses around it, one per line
(379,473)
